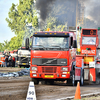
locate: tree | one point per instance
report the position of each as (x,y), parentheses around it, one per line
(1,47)
(20,16)
(55,25)
(4,46)
(14,43)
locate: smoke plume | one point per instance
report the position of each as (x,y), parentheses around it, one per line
(44,6)
(92,12)
(65,11)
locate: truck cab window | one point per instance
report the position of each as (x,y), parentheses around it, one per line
(54,43)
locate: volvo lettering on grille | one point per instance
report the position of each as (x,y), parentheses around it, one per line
(49,61)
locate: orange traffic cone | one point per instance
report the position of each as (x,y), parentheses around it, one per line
(77,93)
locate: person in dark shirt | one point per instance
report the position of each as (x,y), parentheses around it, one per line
(13,61)
(6,60)
(10,61)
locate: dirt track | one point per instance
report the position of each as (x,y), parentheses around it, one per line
(16,89)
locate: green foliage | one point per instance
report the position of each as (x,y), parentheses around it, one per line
(53,24)
(35,21)
(20,16)
(15,42)
(6,44)
(2,47)
(60,28)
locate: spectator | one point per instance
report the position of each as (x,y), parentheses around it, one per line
(3,62)
(10,61)
(6,60)
(13,61)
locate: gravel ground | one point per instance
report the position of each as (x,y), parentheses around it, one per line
(15,88)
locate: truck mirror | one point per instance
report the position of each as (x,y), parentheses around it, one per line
(27,43)
(71,42)
(74,44)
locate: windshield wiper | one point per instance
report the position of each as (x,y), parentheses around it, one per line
(35,46)
(55,46)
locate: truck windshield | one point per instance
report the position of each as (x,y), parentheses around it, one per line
(23,52)
(51,42)
(88,40)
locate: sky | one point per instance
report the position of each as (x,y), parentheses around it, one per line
(5,31)
(5,5)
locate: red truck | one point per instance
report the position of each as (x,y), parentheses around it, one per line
(88,44)
(53,57)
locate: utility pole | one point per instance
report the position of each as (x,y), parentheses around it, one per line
(79,21)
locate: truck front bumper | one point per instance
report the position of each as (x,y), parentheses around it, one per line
(50,76)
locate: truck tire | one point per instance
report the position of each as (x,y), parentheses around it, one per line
(82,79)
(73,80)
(36,81)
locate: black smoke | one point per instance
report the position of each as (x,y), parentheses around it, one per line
(63,10)
(44,6)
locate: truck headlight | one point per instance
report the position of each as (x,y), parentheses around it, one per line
(34,68)
(64,72)
(64,69)
(63,75)
(34,75)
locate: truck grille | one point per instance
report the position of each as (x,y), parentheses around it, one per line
(24,59)
(49,69)
(49,62)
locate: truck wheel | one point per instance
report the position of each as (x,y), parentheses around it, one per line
(82,80)
(36,81)
(73,80)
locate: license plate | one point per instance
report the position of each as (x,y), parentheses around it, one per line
(24,63)
(49,76)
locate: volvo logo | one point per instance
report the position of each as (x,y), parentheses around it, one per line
(49,61)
